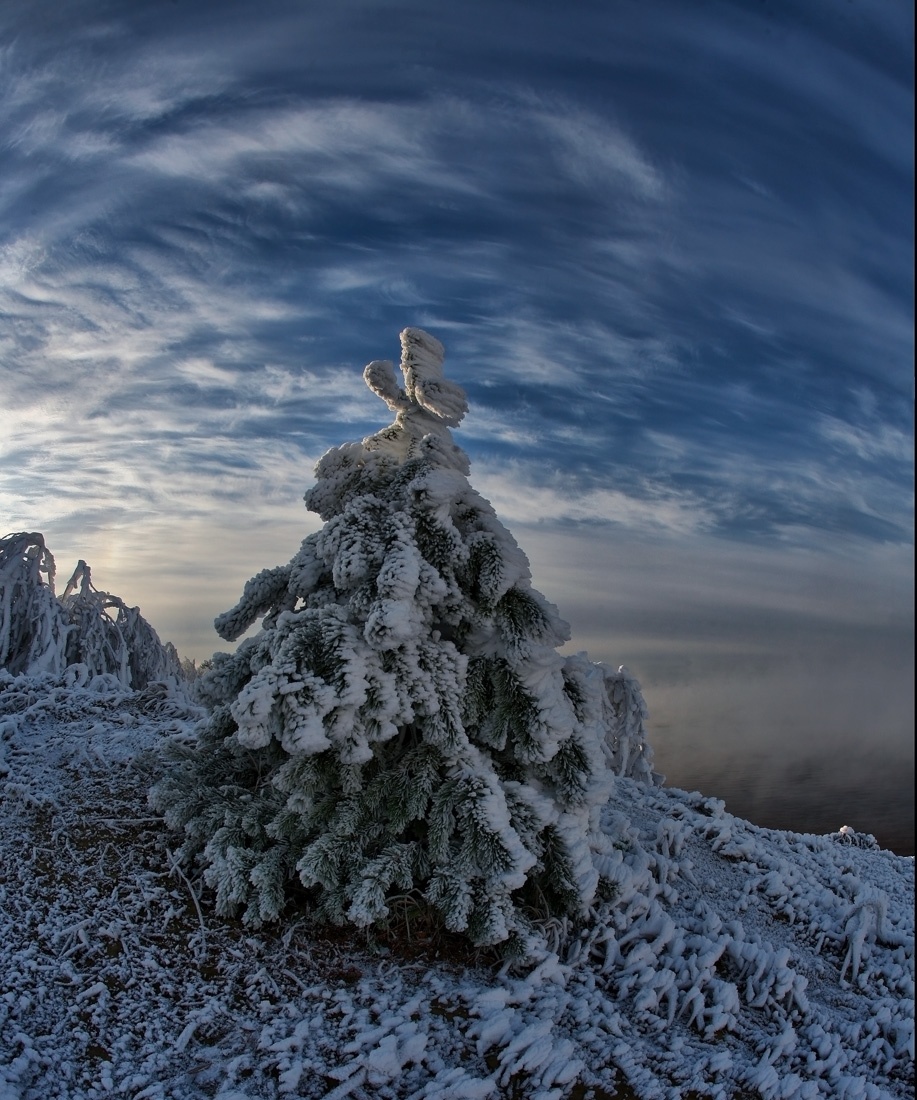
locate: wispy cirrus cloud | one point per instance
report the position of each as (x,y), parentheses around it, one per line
(559,501)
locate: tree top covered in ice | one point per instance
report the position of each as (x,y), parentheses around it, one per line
(425,408)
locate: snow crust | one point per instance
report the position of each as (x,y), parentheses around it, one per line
(730,960)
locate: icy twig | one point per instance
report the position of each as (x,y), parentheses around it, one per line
(174,866)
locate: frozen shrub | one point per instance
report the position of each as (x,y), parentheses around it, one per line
(89,632)
(110,638)
(33,625)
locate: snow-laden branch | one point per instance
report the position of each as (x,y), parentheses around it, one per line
(427,406)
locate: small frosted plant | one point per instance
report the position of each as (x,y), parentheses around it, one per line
(109,638)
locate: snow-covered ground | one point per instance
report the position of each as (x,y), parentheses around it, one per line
(732,961)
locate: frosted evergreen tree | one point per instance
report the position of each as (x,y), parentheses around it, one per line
(403,724)
(86,631)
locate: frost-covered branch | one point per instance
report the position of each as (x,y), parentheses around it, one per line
(263,593)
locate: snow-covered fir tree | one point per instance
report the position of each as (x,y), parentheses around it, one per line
(85,632)
(403,723)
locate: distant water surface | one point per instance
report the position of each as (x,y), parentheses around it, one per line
(808,749)
(781,684)
(803,795)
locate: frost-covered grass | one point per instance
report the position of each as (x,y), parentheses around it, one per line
(730,961)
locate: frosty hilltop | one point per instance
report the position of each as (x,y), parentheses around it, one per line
(402,747)
(403,727)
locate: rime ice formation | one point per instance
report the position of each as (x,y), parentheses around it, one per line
(403,724)
(428,405)
(84,634)
(33,625)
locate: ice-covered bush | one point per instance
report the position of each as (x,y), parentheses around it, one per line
(33,625)
(404,724)
(110,638)
(86,631)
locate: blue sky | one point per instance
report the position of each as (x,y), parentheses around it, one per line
(668,248)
